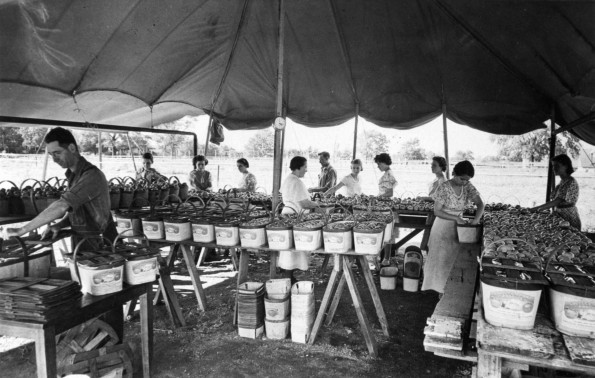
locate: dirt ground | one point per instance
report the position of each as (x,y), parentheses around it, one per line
(210,347)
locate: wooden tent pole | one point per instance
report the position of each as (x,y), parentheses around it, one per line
(208,134)
(45,166)
(355,131)
(278,152)
(551,178)
(445,131)
(130,148)
(100,146)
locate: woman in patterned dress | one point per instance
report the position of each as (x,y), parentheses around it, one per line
(450,200)
(565,194)
(248,181)
(438,169)
(387,181)
(200,179)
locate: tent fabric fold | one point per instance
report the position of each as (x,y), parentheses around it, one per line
(497,66)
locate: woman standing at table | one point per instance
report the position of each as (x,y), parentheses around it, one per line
(350,182)
(565,194)
(248,181)
(387,181)
(450,200)
(199,177)
(295,198)
(438,169)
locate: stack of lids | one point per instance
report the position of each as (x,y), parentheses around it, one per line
(37,299)
(251,305)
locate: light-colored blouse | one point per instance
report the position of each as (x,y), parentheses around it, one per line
(293,191)
(435,184)
(445,195)
(248,182)
(387,182)
(352,186)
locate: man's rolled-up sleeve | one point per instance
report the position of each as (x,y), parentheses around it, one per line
(87,188)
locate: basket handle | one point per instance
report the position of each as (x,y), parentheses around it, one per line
(78,245)
(121,235)
(117,179)
(554,253)
(173,177)
(10,182)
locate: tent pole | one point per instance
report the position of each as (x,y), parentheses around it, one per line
(278,151)
(208,134)
(551,178)
(99,144)
(445,131)
(131,154)
(45,166)
(355,130)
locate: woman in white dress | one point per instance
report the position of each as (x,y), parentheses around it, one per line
(438,169)
(350,182)
(295,198)
(450,200)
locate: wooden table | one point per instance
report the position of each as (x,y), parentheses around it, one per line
(542,346)
(90,307)
(418,221)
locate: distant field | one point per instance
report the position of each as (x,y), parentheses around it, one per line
(512,184)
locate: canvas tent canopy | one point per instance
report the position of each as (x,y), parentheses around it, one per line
(497,66)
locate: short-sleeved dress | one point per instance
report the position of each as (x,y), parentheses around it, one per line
(200,180)
(435,184)
(387,182)
(352,186)
(567,190)
(248,182)
(443,244)
(293,191)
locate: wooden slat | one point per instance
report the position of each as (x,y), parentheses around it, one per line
(580,349)
(459,291)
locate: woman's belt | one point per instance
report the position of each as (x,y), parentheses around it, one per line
(565,206)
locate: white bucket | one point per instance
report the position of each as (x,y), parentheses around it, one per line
(251,333)
(276,309)
(368,243)
(132,226)
(388,278)
(253,237)
(573,315)
(300,334)
(338,242)
(154,230)
(277,329)
(278,288)
(227,235)
(178,230)
(468,233)
(101,281)
(510,308)
(410,284)
(280,239)
(203,233)
(309,240)
(141,271)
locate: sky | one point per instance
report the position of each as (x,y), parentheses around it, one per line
(340,137)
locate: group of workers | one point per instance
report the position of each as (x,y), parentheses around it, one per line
(85,205)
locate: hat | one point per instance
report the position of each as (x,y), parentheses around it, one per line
(324,154)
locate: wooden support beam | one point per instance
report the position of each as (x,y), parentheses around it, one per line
(551,177)
(587,118)
(445,132)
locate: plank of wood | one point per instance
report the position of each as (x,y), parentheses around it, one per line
(580,349)
(514,341)
(458,298)
(443,343)
(443,332)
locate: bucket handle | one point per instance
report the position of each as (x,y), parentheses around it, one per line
(78,245)
(142,237)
